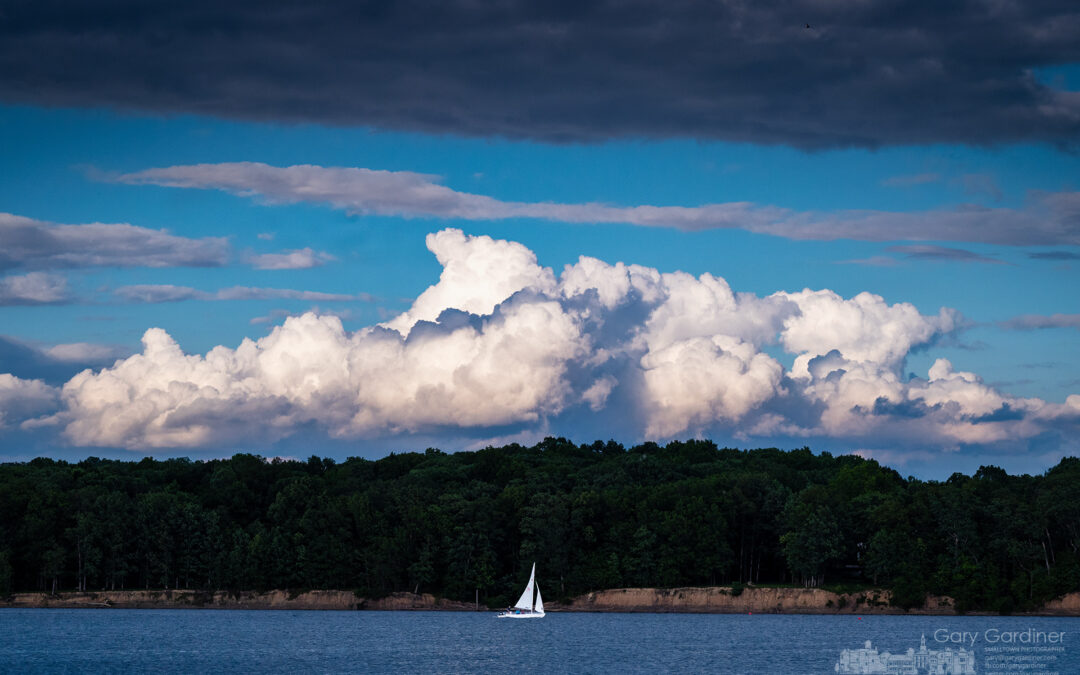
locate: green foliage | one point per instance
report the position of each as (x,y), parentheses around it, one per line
(908,593)
(813,539)
(591,516)
(5,574)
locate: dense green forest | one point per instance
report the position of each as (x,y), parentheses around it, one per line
(592,517)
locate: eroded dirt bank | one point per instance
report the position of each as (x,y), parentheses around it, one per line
(186,599)
(724,600)
(717,600)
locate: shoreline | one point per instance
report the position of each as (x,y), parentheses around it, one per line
(690,600)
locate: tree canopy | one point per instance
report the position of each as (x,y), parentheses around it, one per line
(591,516)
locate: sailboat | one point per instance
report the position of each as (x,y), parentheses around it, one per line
(527,607)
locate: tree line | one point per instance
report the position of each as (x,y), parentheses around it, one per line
(591,516)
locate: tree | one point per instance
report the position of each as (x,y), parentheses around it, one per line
(813,538)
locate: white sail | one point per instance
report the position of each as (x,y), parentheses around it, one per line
(530,605)
(526,599)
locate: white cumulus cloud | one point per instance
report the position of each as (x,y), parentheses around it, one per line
(478,273)
(508,368)
(864,328)
(501,346)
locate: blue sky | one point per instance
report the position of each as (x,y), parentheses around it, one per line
(969,218)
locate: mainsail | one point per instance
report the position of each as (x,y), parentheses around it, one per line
(526,600)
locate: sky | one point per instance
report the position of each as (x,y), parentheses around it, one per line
(348,229)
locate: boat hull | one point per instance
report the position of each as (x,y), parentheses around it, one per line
(520,615)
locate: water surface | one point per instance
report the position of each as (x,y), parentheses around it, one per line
(238,641)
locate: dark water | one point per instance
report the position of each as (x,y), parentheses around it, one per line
(223,641)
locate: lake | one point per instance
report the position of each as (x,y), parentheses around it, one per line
(236,641)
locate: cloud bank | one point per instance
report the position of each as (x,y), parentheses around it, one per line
(26,243)
(29,243)
(501,345)
(804,73)
(1048,219)
(155,293)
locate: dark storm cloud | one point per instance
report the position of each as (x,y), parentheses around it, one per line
(810,74)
